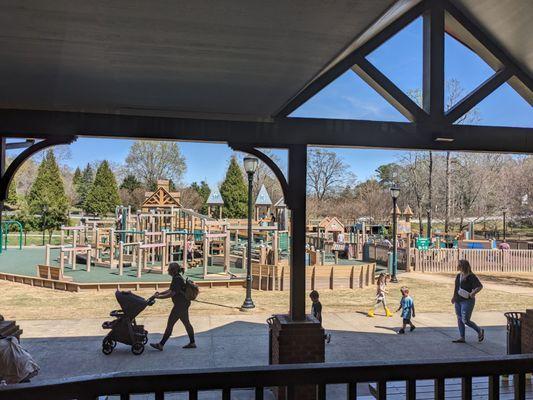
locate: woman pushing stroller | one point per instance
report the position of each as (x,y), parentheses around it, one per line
(180,310)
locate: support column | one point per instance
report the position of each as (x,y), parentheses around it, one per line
(433,59)
(297,191)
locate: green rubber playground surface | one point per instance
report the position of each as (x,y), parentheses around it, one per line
(24,262)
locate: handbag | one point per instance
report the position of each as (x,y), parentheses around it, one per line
(463,293)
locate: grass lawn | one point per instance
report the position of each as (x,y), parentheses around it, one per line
(18,301)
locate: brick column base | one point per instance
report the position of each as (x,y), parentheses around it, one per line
(527,332)
(297,342)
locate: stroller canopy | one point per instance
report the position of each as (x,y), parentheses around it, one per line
(131,304)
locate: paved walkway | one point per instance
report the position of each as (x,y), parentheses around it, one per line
(434,277)
(73,347)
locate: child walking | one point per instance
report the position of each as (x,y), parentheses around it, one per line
(407,305)
(316,310)
(381,292)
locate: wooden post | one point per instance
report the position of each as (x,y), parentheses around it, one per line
(227,246)
(275,248)
(47,254)
(206,252)
(164,264)
(184,250)
(88,261)
(61,260)
(111,248)
(121,258)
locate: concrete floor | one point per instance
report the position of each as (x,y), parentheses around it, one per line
(73,347)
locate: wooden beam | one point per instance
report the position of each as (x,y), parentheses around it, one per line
(486,41)
(478,94)
(278,134)
(433,59)
(344,62)
(389,91)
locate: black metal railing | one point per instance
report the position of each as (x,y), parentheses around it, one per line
(290,377)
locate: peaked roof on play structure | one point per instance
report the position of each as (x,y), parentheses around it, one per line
(215,198)
(263,199)
(161,198)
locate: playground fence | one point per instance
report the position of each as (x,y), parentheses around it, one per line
(277,277)
(379,254)
(481,260)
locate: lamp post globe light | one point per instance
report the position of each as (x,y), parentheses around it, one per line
(250,166)
(395,192)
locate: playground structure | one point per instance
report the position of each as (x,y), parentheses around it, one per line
(146,242)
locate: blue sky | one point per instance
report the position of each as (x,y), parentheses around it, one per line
(349,97)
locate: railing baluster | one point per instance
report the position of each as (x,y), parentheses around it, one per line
(494,387)
(466,388)
(193,394)
(159,395)
(321,389)
(259,393)
(439,389)
(352,391)
(519,381)
(291,393)
(226,394)
(411,390)
(382,390)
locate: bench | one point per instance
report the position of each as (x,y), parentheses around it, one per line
(53,273)
(9,328)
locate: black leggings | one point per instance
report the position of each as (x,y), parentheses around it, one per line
(179,311)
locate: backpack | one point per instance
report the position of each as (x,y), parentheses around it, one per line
(191,290)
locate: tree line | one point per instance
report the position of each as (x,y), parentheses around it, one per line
(450,187)
(44,193)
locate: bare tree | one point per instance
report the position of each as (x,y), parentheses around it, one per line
(153,160)
(326,173)
(455,93)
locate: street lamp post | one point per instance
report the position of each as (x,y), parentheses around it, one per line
(250,166)
(428,211)
(395,192)
(504,224)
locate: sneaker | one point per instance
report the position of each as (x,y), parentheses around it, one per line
(481,335)
(460,340)
(157,346)
(371,313)
(412,328)
(401,331)
(191,345)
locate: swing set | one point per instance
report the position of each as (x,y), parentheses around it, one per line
(4,230)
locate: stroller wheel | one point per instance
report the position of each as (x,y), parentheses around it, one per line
(137,348)
(107,349)
(109,342)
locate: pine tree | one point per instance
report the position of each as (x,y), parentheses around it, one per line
(234,192)
(103,196)
(76,178)
(130,183)
(47,196)
(203,191)
(84,185)
(12,198)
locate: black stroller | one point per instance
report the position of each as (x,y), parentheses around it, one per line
(124,329)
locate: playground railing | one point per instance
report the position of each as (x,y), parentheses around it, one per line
(471,377)
(481,260)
